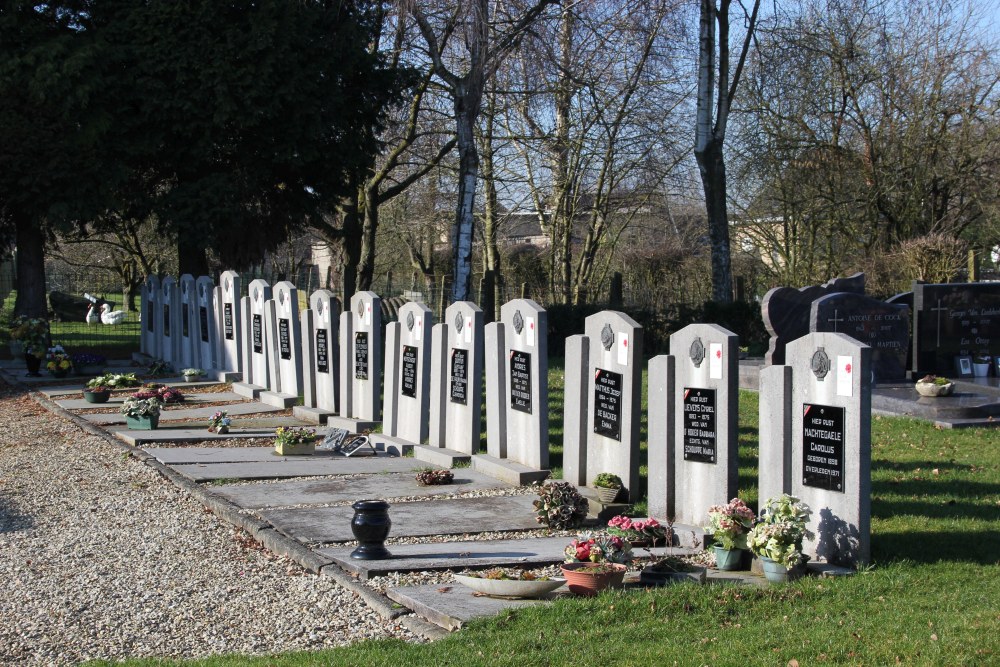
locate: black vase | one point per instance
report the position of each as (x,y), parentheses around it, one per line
(370,526)
(33,363)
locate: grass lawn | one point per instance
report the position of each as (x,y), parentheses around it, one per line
(931,596)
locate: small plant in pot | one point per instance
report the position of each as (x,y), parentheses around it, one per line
(97,394)
(560,505)
(608,487)
(219,422)
(934,385)
(432,477)
(595,562)
(192,374)
(142,413)
(293,441)
(777,537)
(729,525)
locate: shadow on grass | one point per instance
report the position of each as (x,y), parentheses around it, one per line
(932,547)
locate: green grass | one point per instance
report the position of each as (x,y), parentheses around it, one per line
(931,596)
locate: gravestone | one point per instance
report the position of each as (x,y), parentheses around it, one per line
(517,395)
(827,463)
(700,434)
(786,310)
(407,374)
(605,413)
(187,345)
(882,326)
(285,352)
(151,330)
(170,321)
(456,395)
(954,320)
(256,347)
(320,357)
(205,325)
(230,323)
(360,364)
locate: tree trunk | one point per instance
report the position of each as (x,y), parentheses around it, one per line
(30,265)
(712,168)
(468,172)
(366,259)
(352,240)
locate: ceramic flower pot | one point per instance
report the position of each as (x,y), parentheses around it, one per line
(728,559)
(96,396)
(777,573)
(931,389)
(582,580)
(980,370)
(607,496)
(143,423)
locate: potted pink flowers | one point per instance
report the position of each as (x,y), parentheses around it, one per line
(729,525)
(595,562)
(639,532)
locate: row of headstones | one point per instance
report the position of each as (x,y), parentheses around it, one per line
(815,411)
(948,321)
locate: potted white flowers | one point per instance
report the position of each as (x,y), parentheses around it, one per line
(142,413)
(777,537)
(729,525)
(290,441)
(192,374)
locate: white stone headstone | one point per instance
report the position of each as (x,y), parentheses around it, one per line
(456,396)
(150,315)
(829,463)
(230,322)
(407,371)
(285,336)
(320,324)
(205,332)
(187,343)
(255,334)
(170,322)
(361,358)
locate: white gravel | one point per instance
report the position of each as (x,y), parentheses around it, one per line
(100,557)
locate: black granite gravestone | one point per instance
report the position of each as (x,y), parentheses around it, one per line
(882,326)
(953,320)
(785,311)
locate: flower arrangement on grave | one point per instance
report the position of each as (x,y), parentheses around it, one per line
(608,486)
(115,380)
(780,529)
(97,394)
(599,548)
(636,530)
(219,422)
(192,374)
(432,477)
(934,385)
(97,389)
(85,359)
(160,367)
(165,394)
(730,524)
(136,408)
(57,361)
(560,505)
(507,574)
(981,358)
(32,333)
(294,440)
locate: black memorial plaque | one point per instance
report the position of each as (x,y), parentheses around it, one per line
(203,322)
(409,371)
(608,404)
(699,425)
(258,334)
(520,381)
(459,376)
(322,352)
(284,338)
(823,447)
(953,320)
(227,320)
(361,355)
(166,320)
(149,316)
(185,323)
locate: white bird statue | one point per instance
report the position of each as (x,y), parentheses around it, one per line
(92,316)
(109,316)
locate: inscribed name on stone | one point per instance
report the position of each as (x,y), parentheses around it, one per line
(699,425)
(884,327)
(520,381)
(953,320)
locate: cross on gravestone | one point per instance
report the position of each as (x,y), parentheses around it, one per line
(954,320)
(835,320)
(938,310)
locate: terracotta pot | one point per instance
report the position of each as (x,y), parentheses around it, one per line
(584,583)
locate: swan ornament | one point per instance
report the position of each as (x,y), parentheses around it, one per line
(92,316)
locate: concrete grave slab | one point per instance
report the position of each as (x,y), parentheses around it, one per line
(118,399)
(378,485)
(283,467)
(434,517)
(234,410)
(451,606)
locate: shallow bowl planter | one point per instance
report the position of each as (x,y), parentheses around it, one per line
(298,449)
(96,396)
(932,390)
(509,588)
(582,582)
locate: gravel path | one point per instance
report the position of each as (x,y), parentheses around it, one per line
(100,557)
